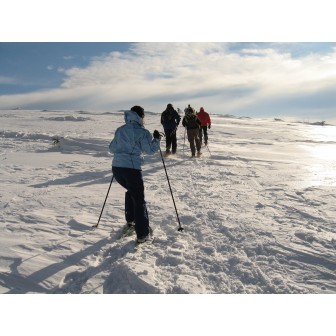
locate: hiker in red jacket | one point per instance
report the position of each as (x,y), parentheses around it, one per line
(206,124)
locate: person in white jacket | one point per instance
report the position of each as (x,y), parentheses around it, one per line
(127,146)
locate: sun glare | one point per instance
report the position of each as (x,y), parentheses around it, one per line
(321,148)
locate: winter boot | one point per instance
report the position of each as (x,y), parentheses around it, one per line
(144,239)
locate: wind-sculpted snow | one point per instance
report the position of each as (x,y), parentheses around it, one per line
(68,118)
(24,136)
(257,209)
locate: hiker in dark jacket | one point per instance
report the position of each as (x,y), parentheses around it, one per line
(192,124)
(170,120)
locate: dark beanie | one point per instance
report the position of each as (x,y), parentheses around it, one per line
(138,110)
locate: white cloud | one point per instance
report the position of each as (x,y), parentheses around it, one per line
(206,73)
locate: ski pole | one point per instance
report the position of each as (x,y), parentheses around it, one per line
(180,228)
(207,146)
(96,225)
(185,130)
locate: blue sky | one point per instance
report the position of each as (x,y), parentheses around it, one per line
(27,67)
(244,79)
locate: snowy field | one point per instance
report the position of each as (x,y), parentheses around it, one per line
(258,209)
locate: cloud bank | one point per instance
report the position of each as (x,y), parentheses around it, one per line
(225,78)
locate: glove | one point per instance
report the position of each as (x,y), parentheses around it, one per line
(157,135)
(209,126)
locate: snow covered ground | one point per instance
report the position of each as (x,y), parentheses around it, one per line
(258,209)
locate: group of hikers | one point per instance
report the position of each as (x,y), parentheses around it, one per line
(196,125)
(132,139)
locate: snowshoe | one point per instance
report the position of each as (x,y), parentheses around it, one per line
(127,230)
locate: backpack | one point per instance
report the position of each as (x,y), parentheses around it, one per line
(167,115)
(191,121)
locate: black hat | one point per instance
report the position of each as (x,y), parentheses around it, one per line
(190,109)
(138,110)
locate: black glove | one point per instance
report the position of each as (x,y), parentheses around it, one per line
(157,135)
(209,126)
